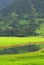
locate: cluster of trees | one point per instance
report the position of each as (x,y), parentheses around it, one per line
(21,18)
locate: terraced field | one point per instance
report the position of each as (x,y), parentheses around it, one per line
(34,58)
(30,50)
(19,40)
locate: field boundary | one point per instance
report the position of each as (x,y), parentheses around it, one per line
(18,45)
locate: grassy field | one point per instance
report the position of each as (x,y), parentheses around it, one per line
(29,58)
(33,58)
(19,40)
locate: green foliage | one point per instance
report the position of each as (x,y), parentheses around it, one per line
(41,29)
(22,18)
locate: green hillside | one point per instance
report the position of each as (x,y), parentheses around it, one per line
(22,32)
(22,18)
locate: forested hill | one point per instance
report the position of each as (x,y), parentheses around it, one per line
(22,18)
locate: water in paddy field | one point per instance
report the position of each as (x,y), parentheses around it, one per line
(20,49)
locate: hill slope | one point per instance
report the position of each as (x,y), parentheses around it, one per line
(22,18)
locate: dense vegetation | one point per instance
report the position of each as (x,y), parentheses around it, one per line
(22,18)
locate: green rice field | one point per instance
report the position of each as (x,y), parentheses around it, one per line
(19,40)
(28,58)
(34,58)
